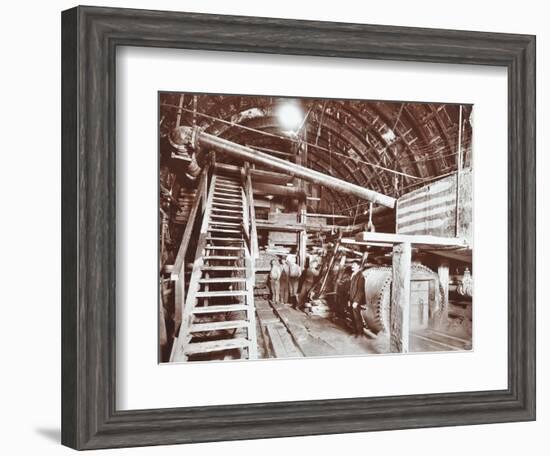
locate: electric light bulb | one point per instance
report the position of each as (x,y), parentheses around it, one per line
(290,116)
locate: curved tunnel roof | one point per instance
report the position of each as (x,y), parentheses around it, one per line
(390,147)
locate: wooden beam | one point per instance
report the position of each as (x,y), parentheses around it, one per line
(400,298)
(163,334)
(331,216)
(351,241)
(392,238)
(255,251)
(265,225)
(464,255)
(296,227)
(302,236)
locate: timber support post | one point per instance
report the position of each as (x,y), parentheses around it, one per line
(302,236)
(400,298)
(443,273)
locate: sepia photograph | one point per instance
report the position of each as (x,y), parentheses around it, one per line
(250,197)
(298,227)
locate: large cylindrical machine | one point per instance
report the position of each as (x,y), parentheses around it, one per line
(378,296)
(378,283)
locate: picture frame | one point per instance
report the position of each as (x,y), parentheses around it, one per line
(90,36)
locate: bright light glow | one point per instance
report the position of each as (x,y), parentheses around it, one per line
(290,116)
(389,136)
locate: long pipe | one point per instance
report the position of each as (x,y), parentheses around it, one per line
(266,188)
(280,190)
(268,177)
(254,156)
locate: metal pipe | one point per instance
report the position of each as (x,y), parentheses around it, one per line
(268,177)
(246,153)
(280,190)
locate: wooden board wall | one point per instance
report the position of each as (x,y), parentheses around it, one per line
(432,209)
(282,238)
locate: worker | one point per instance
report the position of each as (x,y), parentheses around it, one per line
(285,290)
(294,273)
(357,297)
(309,278)
(275,281)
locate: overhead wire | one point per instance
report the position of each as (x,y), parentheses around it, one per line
(418,148)
(285,138)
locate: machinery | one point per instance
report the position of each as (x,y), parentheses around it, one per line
(425,297)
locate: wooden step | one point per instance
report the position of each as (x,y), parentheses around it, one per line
(223,247)
(222,257)
(223,268)
(228,187)
(213,222)
(226,177)
(218,325)
(221,308)
(220,191)
(223,216)
(224,239)
(223,280)
(231,211)
(232,197)
(221,230)
(215,345)
(232,191)
(214,205)
(235,203)
(227,200)
(220,294)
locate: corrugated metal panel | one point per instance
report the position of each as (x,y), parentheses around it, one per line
(431,210)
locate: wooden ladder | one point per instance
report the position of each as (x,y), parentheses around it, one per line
(219,313)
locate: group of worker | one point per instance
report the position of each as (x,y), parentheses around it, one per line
(288,283)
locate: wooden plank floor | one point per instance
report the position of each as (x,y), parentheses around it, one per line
(318,336)
(430,340)
(290,333)
(273,336)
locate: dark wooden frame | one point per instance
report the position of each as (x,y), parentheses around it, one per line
(89,39)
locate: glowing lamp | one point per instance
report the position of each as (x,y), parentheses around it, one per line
(290,116)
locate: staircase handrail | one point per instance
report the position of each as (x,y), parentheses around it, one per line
(178,271)
(194,284)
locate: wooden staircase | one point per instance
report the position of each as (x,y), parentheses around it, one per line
(219,315)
